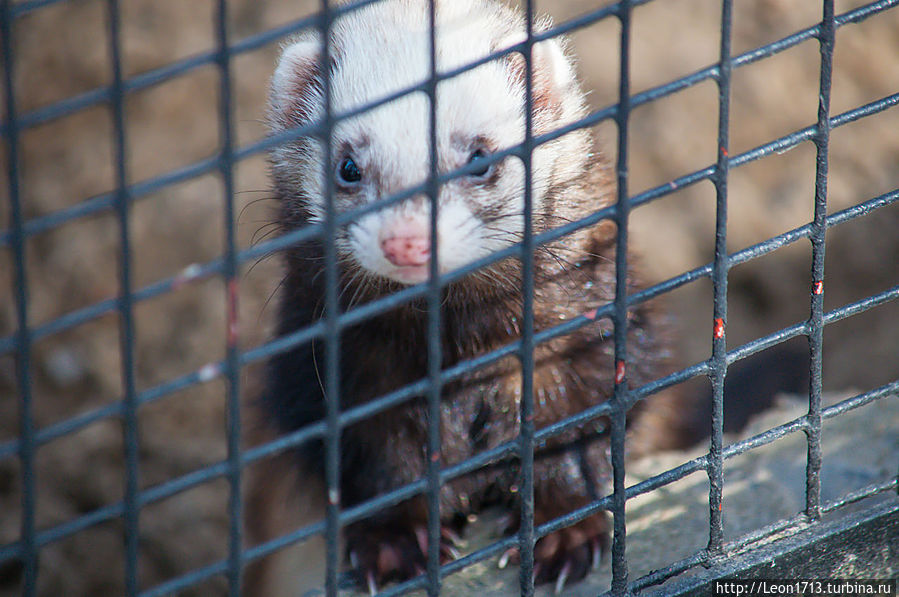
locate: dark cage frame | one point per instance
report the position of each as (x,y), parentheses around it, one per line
(32,540)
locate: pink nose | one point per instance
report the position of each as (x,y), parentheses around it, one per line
(407,250)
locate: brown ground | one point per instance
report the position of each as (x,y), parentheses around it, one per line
(61,51)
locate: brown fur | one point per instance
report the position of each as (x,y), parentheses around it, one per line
(480,313)
(280,500)
(480,410)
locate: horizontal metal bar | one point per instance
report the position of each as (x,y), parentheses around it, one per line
(25,6)
(789,547)
(862,305)
(697,464)
(194,577)
(68,426)
(797,522)
(890,389)
(871,490)
(170,488)
(195,478)
(204,475)
(659,576)
(651,484)
(213,370)
(381,305)
(254,42)
(94,311)
(104,202)
(61,531)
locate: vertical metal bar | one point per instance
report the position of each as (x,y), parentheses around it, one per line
(526,537)
(232,365)
(23,333)
(827,39)
(332,330)
(434,328)
(125,307)
(620,398)
(718,361)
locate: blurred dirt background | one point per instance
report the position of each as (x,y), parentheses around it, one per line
(61,51)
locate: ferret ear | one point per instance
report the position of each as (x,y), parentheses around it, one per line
(553,74)
(296,86)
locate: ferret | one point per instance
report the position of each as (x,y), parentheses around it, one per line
(376,51)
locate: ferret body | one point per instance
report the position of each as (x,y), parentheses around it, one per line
(376,51)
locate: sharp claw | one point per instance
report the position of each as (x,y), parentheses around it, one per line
(451,551)
(597,553)
(504,523)
(563,576)
(452,537)
(504,559)
(372,585)
(421,534)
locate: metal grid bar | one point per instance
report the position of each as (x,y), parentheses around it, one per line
(231,274)
(23,339)
(526,533)
(164,73)
(718,361)
(141,189)
(119,200)
(197,272)
(435,336)
(125,306)
(619,401)
(331,314)
(827,39)
(204,475)
(360,511)
(149,496)
(356,414)
(702,556)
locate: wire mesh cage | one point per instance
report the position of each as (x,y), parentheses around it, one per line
(137,276)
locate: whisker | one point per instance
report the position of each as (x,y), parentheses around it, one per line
(270,297)
(254,202)
(272,228)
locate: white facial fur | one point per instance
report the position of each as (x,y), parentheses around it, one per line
(383,48)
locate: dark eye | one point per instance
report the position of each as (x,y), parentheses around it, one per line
(348,173)
(480,167)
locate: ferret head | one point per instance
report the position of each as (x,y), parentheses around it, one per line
(382,49)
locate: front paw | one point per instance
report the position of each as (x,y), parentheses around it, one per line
(570,553)
(567,554)
(386,552)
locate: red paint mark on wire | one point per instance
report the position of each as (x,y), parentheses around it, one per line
(620,372)
(719,328)
(232,313)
